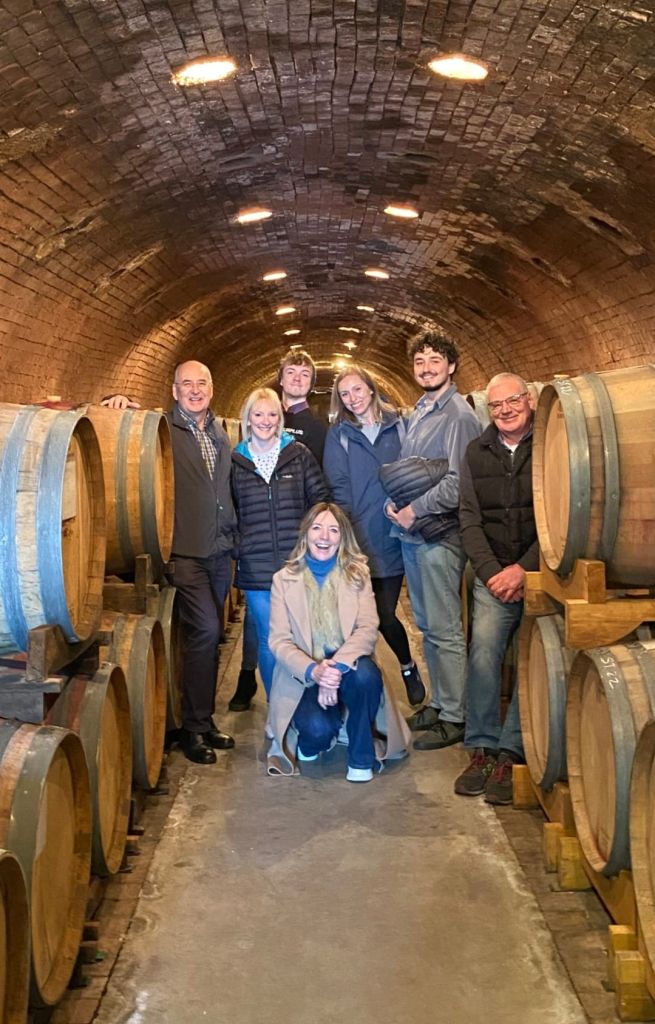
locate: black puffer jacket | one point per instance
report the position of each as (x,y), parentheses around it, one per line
(269,514)
(495,511)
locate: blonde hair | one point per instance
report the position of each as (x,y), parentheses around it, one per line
(260,395)
(350,559)
(338,411)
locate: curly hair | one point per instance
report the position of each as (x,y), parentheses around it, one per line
(350,559)
(438,343)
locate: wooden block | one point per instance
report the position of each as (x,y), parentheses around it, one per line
(48,651)
(619,937)
(523,794)
(633,1000)
(552,832)
(571,874)
(594,625)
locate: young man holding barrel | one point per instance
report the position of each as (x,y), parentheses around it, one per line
(500,538)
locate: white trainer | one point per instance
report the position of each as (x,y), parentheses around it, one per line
(359,774)
(305,757)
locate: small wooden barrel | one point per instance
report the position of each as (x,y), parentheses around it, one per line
(14,941)
(593,456)
(52,519)
(642,835)
(138,647)
(544,665)
(611,697)
(137,457)
(98,710)
(45,820)
(165,609)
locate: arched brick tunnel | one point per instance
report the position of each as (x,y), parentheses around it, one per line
(120,250)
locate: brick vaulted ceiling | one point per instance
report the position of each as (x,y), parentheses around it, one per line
(119,249)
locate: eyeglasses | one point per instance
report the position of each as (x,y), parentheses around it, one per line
(193,385)
(514,402)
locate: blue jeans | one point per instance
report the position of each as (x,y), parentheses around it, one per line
(360,692)
(434,576)
(258,604)
(494,625)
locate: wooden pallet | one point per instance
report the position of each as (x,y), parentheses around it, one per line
(594,615)
(630,975)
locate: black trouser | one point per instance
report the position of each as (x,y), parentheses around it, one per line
(202,585)
(249,643)
(387,592)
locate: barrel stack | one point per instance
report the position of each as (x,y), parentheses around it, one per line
(587,655)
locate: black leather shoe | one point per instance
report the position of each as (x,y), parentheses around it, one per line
(245,691)
(196,748)
(218,740)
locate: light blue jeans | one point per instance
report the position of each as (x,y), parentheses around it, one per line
(494,625)
(434,575)
(258,603)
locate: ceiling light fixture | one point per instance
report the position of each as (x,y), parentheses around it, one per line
(350,344)
(353,330)
(198,72)
(459,66)
(252,214)
(275,275)
(284,310)
(367,309)
(377,273)
(292,330)
(402,210)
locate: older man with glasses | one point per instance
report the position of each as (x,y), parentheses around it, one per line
(500,538)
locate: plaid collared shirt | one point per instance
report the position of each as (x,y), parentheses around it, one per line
(205,440)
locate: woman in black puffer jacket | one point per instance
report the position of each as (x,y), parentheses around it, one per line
(275,481)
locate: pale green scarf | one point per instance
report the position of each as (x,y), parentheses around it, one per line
(323,613)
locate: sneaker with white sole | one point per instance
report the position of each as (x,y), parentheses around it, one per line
(305,757)
(359,774)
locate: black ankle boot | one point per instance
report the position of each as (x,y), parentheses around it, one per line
(245,691)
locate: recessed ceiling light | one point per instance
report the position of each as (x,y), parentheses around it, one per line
(367,309)
(283,310)
(275,275)
(353,330)
(350,344)
(254,213)
(197,72)
(377,272)
(292,330)
(401,210)
(340,363)
(454,65)
(296,346)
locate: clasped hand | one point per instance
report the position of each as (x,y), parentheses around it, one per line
(328,678)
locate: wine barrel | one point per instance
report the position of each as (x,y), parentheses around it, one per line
(14,941)
(642,835)
(233,430)
(592,457)
(45,820)
(137,456)
(165,608)
(137,645)
(98,710)
(52,521)
(611,697)
(544,665)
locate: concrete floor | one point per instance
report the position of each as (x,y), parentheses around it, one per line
(315,901)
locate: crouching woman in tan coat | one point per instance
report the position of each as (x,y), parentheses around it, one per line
(324,627)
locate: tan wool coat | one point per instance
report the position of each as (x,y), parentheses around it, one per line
(290,640)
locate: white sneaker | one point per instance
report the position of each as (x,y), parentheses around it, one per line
(305,757)
(359,774)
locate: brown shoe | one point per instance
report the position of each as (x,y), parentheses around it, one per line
(443,734)
(499,785)
(424,718)
(473,779)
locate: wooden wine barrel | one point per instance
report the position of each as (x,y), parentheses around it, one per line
(544,665)
(611,697)
(138,647)
(478,402)
(137,456)
(45,820)
(14,941)
(52,521)
(642,835)
(98,710)
(233,430)
(593,455)
(165,609)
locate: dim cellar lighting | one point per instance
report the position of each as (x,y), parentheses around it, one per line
(283,310)
(353,330)
(465,69)
(297,345)
(377,273)
(254,213)
(275,275)
(292,330)
(197,72)
(401,210)
(341,363)
(366,309)
(350,344)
